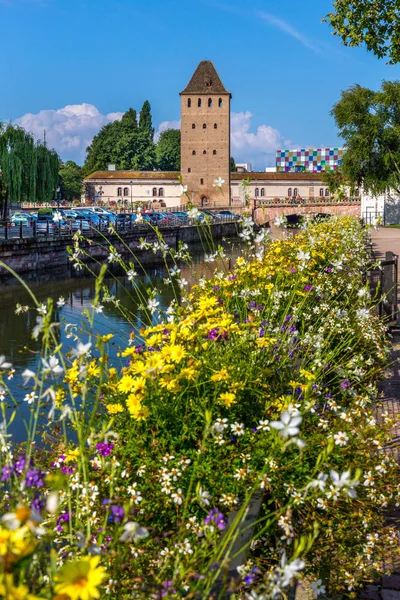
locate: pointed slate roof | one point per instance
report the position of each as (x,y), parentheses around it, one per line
(205,80)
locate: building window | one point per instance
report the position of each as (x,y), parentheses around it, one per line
(295,192)
(194,152)
(201,181)
(189,102)
(189,170)
(321,192)
(210,103)
(204,151)
(154,191)
(193,126)
(220,102)
(214,152)
(119,192)
(215,126)
(257,192)
(262,191)
(199,102)
(356,192)
(126,192)
(204,126)
(161,192)
(289,192)
(327,192)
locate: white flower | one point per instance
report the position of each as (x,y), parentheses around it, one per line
(27,375)
(320,482)
(369,479)
(341,438)
(263,425)
(3,363)
(131,274)
(3,394)
(52,365)
(30,398)
(178,496)
(183,189)
(218,182)
(237,428)
(152,305)
(57,217)
(280,221)
(318,587)
(344,482)
(98,308)
(52,502)
(133,532)
(204,497)
(303,255)
(220,425)
(38,327)
(193,213)
(288,423)
(363,314)
(290,570)
(42,310)
(60,302)
(81,349)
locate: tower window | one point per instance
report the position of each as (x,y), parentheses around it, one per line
(189,170)
(204,151)
(194,152)
(204,126)
(154,191)
(220,102)
(210,103)
(214,152)
(199,102)
(126,192)
(201,181)
(289,192)
(193,126)
(161,192)
(215,126)
(119,192)
(257,192)
(189,102)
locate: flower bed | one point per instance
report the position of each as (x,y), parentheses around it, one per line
(263,379)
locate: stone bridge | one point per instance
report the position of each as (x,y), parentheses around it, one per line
(268,211)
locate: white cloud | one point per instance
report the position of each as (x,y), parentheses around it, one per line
(166,125)
(69,130)
(288,29)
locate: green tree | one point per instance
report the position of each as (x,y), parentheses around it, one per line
(145,159)
(71,179)
(232,164)
(28,170)
(168,150)
(369,122)
(375,23)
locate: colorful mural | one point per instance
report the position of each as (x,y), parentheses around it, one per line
(310,160)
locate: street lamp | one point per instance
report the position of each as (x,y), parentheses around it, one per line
(131,197)
(58,198)
(100,192)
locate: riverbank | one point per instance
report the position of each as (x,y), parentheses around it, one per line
(30,254)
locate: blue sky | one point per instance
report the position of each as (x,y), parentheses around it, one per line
(70,66)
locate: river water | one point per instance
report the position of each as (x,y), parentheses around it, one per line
(78,290)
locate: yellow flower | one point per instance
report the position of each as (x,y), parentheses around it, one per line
(140,413)
(107,338)
(93,370)
(228,398)
(240,261)
(60,397)
(79,579)
(221,375)
(12,592)
(72,455)
(205,303)
(126,383)
(137,367)
(177,353)
(114,409)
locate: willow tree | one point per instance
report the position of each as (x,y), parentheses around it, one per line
(28,170)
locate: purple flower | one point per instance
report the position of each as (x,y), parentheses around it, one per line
(67,470)
(104,449)
(232,277)
(7,472)
(215,516)
(329,270)
(308,288)
(215,335)
(345,384)
(34,478)
(117,513)
(287,318)
(20,464)
(216,288)
(253,304)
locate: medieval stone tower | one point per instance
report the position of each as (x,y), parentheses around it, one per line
(205,137)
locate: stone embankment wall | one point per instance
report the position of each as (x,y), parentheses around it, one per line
(30,254)
(268,214)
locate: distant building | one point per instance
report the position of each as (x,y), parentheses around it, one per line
(270,169)
(311,160)
(244,167)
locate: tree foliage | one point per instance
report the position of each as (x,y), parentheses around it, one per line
(369,122)
(375,23)
(168,150)
(28,170)
(70,179)
(232,165)
(126,143)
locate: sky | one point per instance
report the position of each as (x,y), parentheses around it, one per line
(71,66)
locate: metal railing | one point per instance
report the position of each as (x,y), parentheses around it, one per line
(317,201)
(371,217)
(383,281)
